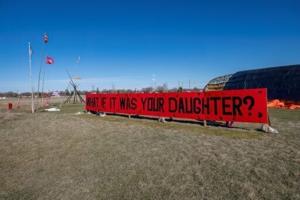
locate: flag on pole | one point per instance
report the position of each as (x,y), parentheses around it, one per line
(45,37)
(49,60)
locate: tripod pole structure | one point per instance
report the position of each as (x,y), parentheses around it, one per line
(75,93)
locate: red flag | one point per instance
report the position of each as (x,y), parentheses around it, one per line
(45,38)
(49,60)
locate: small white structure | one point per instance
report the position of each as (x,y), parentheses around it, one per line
(52,109)
(55,94)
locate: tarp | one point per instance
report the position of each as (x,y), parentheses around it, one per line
(276,103)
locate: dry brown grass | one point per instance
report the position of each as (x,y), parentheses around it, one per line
(65,156)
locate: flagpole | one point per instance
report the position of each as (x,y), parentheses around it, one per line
(45,40)
(40,70)
(30,77)
(43,83)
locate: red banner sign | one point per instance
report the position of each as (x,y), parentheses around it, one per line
(249,105)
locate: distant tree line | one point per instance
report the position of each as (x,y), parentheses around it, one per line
(160,88)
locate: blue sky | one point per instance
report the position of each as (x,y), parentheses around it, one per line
(126,43)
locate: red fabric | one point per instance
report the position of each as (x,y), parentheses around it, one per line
(248,105)
(49,60)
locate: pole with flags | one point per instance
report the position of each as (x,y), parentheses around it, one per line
(49,61)
(30,76)
(45,40)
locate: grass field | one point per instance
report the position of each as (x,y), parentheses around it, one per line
(67,156)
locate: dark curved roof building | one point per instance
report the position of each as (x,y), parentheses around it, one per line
(282,82)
